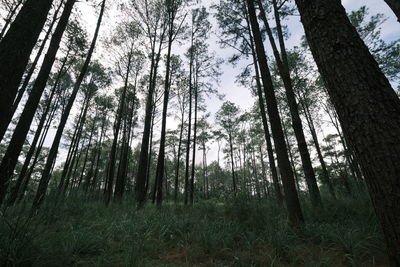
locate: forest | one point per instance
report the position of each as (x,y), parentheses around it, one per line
(199,133)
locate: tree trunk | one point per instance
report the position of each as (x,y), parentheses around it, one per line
(395,6)
(194,141)
(14,148)
(38,133)
(283,67)
(15,49)
(117,126)
(44,181)
(141,187)
(161,152)
(28,76)
(292,200)
(267,135)
(368,107)
(189,123)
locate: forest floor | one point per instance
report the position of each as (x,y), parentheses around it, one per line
(235,232)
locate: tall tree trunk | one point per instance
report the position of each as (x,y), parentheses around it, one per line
(14,148)
(15,49)
(38,133)
(86,155)
(140,186)
(368,107)
(161,152)
(189,122)
(283,67)
(267,135)
(194,141)
(44,181)
(36,158)
(117,126)
(325,174)
(28,76)
(291,197)
(176,188)
(232,162)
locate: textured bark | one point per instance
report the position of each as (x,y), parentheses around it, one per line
(395,6)
(44,181)
(14,148)
(291,197)
(283,67)
(368,107)
(15,49)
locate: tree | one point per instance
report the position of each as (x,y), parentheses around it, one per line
(281,59)
(15,49)
(173,8)
(21,130)
(368,107)
(227,117)
(291,197)
(44,181)
(152,15)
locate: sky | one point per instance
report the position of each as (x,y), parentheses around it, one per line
(227,86)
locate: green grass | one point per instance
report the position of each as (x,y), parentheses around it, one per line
(236,232)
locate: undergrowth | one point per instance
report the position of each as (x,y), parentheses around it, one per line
(234,232)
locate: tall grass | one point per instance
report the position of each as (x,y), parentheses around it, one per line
(236,232)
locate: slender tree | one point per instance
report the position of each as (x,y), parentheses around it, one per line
(44,181)
(291,197)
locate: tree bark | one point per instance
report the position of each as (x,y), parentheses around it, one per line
(291,197)
(267,135)
(283,67)
(368,107)
(14,148)
(44,181)
(15,49)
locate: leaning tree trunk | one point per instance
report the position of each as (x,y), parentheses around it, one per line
(15,49)
(32,68)
(44,181)
(39,130)
(291,197)
(368,107)
(14,148)
(283,67)
(267,135)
